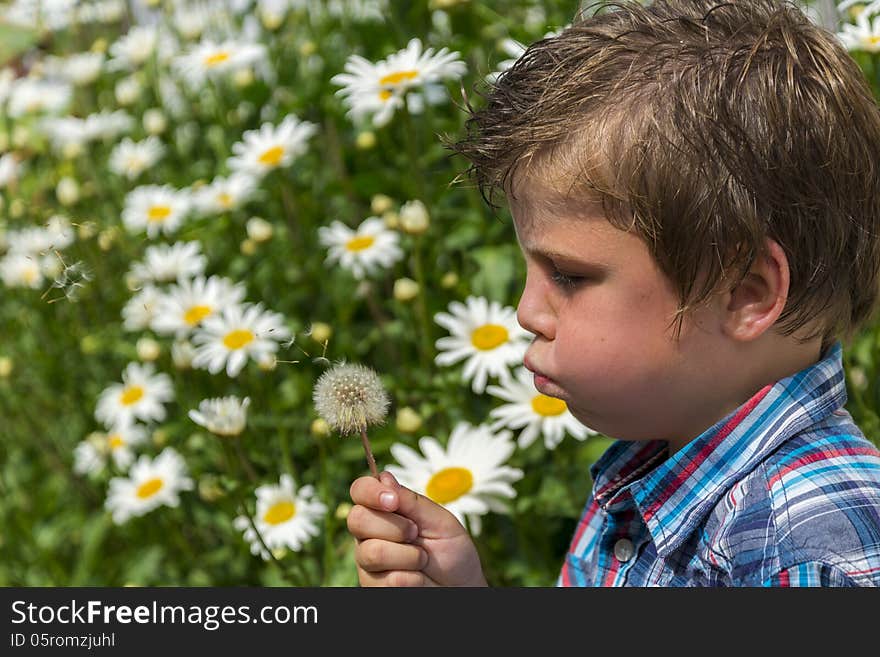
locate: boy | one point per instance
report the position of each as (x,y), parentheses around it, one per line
(696,191)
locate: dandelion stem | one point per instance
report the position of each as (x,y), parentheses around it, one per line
(369,452)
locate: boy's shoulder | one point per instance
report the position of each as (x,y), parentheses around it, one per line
(813,503)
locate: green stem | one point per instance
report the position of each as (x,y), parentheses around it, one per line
(421,308)
(415,169)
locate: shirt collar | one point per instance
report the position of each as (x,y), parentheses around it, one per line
(676,496)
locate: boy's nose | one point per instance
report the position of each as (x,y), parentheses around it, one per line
(534,313)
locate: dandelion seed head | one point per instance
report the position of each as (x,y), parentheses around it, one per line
(350,398)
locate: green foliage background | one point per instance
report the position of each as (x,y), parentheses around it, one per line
(53,528)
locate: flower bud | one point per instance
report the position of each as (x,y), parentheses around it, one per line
(271,20)
(381,203)
(86,230)
(365,140)
(89,344)
(342,510)
(405,289)
(155,122)
(5,367)
(408,421)
(107,237)
(259,230)
(320,427)
(182,354)
(243,77)
(71,150)
(160,437)
(321,332)
(67,191)
(248,247)
(268,363)
(449,280)
(414,217)
(391,219)
(128,90)
(148,349)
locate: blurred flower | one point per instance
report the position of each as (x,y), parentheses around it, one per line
(148,349)
(33,96)
(169,262)
(864,35)
(20,270)
(286,517)
(350,397)
(90,456)
(57,234)
(9,169)
(258,229)
(223,416)
(533,412)
(132,49)
(380,204)
(361,251)
(320,332)
(6,367)
(449,280)
(414,217)
(405,289)
(467,477)
(408,421)
(67,191)
(139,397)
(155,209)
(154,121)
(319,427)
(182,353)
(184,306)
(130,159)
(238,333)
(138,313)
(486,335)
(211,59)
(365,140)
(225,194)
(79,69)
(128,90)
(271,147)
(376,90)
(151,483)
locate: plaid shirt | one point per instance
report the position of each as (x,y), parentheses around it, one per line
(784,491)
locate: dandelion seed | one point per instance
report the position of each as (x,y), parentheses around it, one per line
(350,398)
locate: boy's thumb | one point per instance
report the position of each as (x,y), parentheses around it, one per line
(427,514)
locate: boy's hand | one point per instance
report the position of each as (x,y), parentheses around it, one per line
(405,539)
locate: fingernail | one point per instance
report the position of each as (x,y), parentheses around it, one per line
(386,499)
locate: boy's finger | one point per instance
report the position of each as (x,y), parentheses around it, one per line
(374,493)
(410,578)
(364,522)
(375,555)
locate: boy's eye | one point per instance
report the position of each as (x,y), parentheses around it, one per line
(566,281)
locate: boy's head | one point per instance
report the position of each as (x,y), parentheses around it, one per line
(704,127)
(705,165)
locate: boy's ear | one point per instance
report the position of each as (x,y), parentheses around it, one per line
(753,306)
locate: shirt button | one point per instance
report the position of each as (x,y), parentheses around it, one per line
(624,550)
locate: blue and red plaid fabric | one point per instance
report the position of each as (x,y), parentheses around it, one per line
(784,491)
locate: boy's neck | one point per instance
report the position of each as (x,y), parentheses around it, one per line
(753,366)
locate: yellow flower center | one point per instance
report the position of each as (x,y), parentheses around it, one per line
(385,94)
(238,338)
(548,406)
(394,79)
(216,58)
(272,157)
(360,243)
(449,484)
(489,336)
(224,199)
(196,314)
(131,395)
(158,213)
(871,40)
(150,488)
(279,512)
(29,275)
(115,441)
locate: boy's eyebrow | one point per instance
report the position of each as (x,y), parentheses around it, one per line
(551,254)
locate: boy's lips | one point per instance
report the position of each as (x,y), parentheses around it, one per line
(543,383)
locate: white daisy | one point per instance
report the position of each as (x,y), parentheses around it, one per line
(163,263)
(65,132)
(130,158)
(134,48)
(212,59)
(533,412)
(864,35)
(271,147)
(10,169)
(184,306)
(79,69)
(238,333)
(21,270)
(485,334)
(108,125)
(223,416)
(55,235)
(140,310)
(150,484)
(467,477)
(376,90)
(32,96)
(364,250)
(225,194)
(139,397)
(286,517)
(155,208)
(90,456)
